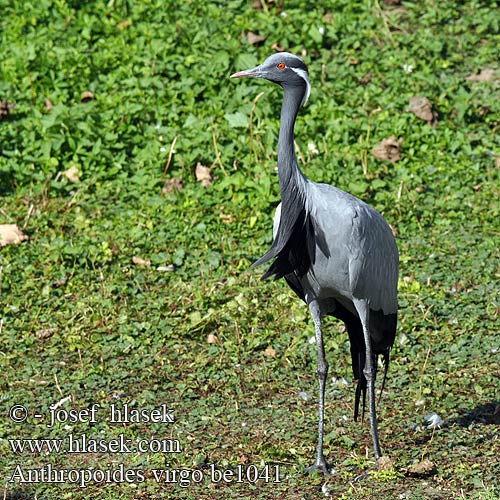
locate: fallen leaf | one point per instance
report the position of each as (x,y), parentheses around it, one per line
(5,109)
(421,107)
(484,110)
(423,468)
(270,352)
(212,339)
(277,47)
(48,105)
(365,80)
(203,175)
(254,38)
(485,75)
(87,96)
(328,17)
(45,333)
(227,218)
(172,185)
(385,463)
(258,5)
(124,24)
(10,234)
(60,282)
(72,174)
(389,149)
(139,261)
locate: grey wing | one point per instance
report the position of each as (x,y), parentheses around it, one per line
(374,261)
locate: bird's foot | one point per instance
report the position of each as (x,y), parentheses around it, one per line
(320,465)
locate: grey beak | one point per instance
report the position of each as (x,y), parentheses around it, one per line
(248,73)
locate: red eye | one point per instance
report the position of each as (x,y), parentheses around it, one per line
(281,66)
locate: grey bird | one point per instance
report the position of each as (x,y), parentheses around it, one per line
(337,253)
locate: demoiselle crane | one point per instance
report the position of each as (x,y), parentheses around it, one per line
(337,253)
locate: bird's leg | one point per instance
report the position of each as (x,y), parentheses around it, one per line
(320,462)
(369,372)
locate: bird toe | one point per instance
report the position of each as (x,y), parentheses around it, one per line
(320,466)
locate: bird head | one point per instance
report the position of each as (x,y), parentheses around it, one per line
(282,68)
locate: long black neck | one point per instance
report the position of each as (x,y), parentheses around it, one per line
(289,173)
(288,245)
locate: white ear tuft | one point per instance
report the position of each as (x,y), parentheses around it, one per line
(303,74)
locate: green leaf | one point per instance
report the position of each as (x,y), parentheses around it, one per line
(237,119)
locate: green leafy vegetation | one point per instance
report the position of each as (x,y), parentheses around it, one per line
(135,283)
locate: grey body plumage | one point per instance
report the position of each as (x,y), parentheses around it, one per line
(336,252)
